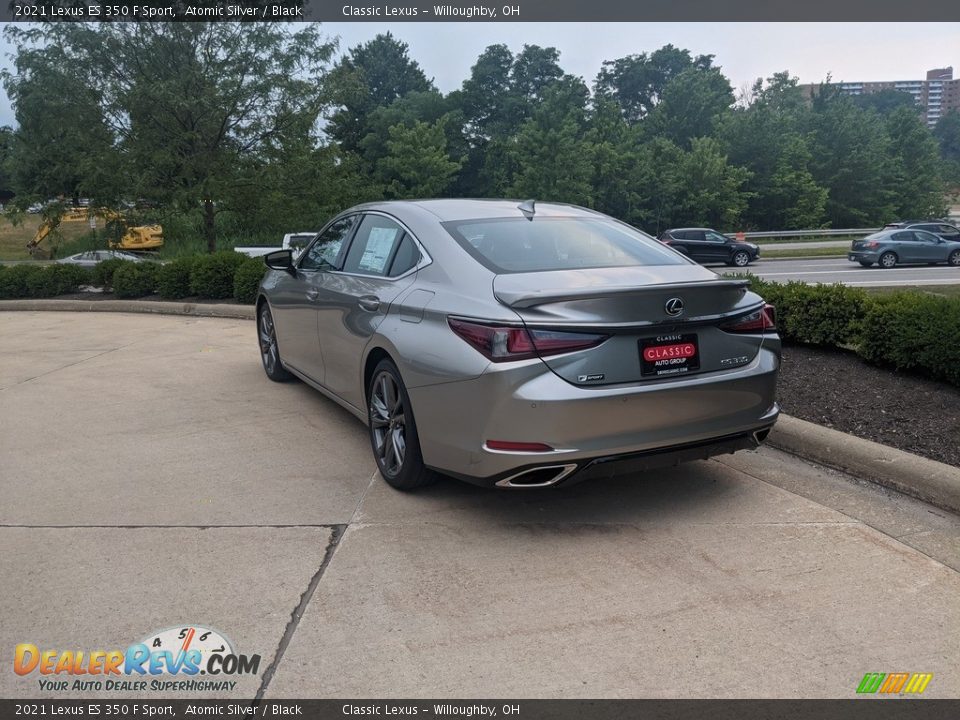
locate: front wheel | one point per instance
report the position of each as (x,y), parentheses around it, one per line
(269,350)
(888,260)
(954,259)
(741,258)
(393,431)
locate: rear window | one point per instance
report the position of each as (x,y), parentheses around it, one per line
(518,245)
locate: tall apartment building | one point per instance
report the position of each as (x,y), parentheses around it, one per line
(935,96)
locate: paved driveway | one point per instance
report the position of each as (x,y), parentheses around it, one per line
(151,477)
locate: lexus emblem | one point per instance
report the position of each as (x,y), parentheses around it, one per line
(674,307)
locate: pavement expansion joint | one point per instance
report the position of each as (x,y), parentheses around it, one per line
(299,610)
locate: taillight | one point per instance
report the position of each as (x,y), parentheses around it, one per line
(504,343)
(872,244)
(760,321)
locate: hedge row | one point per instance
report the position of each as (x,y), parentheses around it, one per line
(37,281)
(217,276)
(906,330)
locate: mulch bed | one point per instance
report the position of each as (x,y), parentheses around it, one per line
(838,390)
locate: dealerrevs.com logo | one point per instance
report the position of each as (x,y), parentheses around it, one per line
(168,660)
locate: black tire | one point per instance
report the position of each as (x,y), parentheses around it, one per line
(954,259)
(269,349)
(866,263)
(393,431)
(888,260)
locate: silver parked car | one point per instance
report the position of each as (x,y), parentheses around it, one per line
(889,248)
(519,345)
(89,258)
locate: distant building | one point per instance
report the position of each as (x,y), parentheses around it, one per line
(935,96)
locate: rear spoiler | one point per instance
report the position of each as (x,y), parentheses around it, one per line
(525,298)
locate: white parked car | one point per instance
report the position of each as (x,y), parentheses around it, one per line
(291,241)
(89,258)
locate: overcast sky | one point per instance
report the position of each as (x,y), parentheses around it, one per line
(745,51)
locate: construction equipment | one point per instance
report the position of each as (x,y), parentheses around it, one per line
(134,238)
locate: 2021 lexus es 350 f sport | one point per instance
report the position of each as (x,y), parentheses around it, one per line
(519,345)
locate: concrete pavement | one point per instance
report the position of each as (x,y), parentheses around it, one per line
(152,477)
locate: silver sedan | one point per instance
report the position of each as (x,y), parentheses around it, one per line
(519,345)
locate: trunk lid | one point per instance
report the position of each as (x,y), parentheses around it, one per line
(630,304)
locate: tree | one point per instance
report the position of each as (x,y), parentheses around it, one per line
(6,152)
(886,102)
(554,160)
(190,108)
(793,199)
(417,164)
(916,165)
(765,134)
(851,158)
(947,133)
(691,105)
(371,75)
(636,82)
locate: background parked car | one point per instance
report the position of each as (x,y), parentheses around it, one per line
(889,248)
(937,227)
(89,258)
(708,246)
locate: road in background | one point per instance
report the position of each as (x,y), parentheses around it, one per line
(841,270)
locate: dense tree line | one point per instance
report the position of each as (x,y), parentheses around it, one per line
(241,130)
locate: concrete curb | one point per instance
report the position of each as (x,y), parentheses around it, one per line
(928,480)
(225,310)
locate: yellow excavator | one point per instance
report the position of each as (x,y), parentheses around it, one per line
(136,238)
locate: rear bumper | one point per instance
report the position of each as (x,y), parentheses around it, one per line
(862,256)
(594,431)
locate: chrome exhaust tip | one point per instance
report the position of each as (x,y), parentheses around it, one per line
(538,477)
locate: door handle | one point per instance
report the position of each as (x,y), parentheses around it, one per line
(312,294)
(369,303)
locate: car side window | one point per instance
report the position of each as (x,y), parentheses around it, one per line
(716,237)
(695,235)
(926,237)
(406,257)
(949,231)
(902,237)
(373,247)
(324,252)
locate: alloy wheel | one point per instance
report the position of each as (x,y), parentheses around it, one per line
(388,424)
(954,259)
(268,342)
(741,259)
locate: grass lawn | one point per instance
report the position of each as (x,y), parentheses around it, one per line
(942,290)
(14,238)
(769,254)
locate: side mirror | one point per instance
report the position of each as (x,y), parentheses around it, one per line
(280,260)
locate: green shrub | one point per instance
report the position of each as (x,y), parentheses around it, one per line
(133,280)
(246,281)
(67,278)
(827,315)
(173,279)
(212,275)
(913,331)
(16,280)
(103,272)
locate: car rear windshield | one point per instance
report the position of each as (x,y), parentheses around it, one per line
(518,245)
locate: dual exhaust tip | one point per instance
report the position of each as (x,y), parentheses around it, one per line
(538,477)
(547,475)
